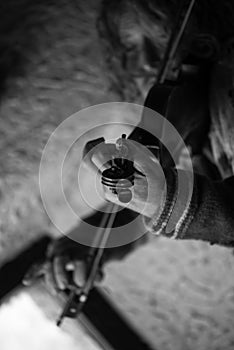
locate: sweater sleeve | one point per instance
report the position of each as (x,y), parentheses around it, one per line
(209,215)
(212,216)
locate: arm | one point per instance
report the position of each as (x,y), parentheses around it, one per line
(209,215)
(211,212)
(213,218)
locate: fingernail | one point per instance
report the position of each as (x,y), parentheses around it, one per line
(70,266)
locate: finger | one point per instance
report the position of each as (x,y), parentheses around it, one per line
(64,246)
(80,273)
(87,161)
(144,160)
(62,276)
(91,144)
(111,197)
(102,156)
(50,279)
(99,277)
(35,272)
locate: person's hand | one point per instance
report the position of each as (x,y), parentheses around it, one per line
(67,265)
(149,182)
(69,259)
(68,262)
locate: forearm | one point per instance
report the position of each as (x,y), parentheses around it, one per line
(209,215)
(213,218)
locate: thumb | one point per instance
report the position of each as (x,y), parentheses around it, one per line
(144,160)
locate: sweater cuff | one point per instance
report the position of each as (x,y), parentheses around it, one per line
(157,225)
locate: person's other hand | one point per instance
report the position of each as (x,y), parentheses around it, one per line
(68,262)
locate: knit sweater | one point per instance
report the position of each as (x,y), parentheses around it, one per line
(210,213)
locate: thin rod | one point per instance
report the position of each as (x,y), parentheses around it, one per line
(95,265)
(173,44)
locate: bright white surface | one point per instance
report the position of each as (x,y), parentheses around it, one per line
(23,326)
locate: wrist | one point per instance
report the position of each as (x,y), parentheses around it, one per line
(158,221)
(177,210)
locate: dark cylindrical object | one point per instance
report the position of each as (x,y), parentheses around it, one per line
(119,179)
